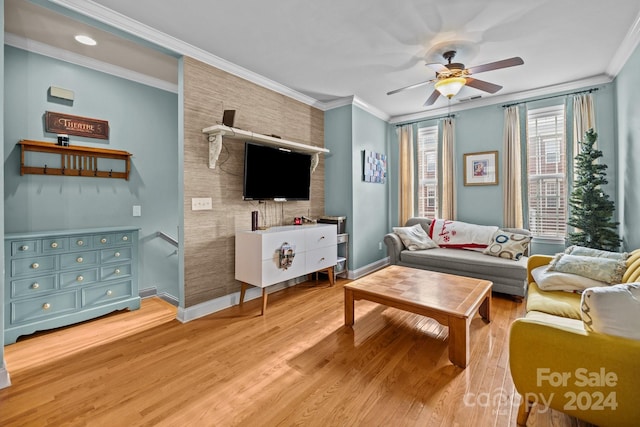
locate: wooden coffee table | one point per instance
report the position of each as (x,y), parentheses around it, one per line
(451,300)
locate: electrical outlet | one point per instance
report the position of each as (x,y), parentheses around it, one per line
(379,246)
(137,210)
(201,204)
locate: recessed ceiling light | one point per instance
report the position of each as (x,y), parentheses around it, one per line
(85,40)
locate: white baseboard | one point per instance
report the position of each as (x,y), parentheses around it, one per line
(153,292)
(368,269)
(217,304)
(5,380)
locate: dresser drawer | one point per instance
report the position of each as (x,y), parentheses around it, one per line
(33,286)
(115,271)
(321,258)
(104,294)
(320,237)
(54,245)
(78,278)
(35,265)
(24,248)
(43,307)
(78,259)
(116,254)
(81,242)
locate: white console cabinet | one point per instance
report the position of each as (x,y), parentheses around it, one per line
(258,255)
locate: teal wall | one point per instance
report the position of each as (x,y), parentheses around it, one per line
(628,139)
(348,131)
(2,365)
(142,120)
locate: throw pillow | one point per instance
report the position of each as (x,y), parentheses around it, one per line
(461,235)
(613,310)
(556,281)
(582,251)
(414,238)
(602,269)
(507,245)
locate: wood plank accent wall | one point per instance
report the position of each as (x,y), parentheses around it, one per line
(209,235)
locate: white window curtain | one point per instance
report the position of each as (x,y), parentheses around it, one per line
(584,118)
(447,205)
(512,188)
(405,190)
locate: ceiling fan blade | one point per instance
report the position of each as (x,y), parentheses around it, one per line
(413,86)
(511,62)
(438,68)
(482,85)
(434,96)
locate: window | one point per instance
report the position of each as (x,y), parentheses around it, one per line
(546,172)
(428,171)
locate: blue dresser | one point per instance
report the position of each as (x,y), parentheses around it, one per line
(57,278)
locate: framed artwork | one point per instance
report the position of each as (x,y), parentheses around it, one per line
(481,168)
(374,167)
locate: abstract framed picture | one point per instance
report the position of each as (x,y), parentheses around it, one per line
(374,167)
(481,168)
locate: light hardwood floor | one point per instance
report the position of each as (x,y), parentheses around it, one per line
(297,365)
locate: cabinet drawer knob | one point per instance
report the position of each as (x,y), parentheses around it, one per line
(36,285)
(117,271)
(79,259)
(54,245)
(125,238)
(117,254)
(35,265)
(79,278)
(109,292)
(46,306)
(80,243)
(103,240)
(24,247)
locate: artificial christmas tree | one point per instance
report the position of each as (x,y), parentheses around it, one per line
(591,209)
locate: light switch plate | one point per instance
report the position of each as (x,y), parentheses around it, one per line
(201,204)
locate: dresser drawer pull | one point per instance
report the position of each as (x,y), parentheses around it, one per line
(79,278)
(79,259)
(54,245)
(35,265)
(46,306)
(103,240)
(322,259)
(80,243)
(24,247)
(117,254)
(117,271)
(36,285)
(321,237)
(125,238)
(109,292)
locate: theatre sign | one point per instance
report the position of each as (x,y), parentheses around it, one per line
(75,125)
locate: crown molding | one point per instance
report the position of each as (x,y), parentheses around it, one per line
(355,101)
(599,80)
(626,49)
(135,28)
(84,61)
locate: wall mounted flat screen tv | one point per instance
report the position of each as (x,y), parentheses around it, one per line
(275,174)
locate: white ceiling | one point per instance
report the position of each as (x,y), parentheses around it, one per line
(327,50)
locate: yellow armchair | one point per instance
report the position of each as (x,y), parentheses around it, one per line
(557,364)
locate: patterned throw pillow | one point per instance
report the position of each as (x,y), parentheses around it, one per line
(613,310)
(605,270)
(582,251)
(415,238)
(508,245)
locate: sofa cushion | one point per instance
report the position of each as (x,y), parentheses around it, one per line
(464,261)
(558,303)
(507,245)
(582,251)
(549,280)
(613,310)
(602,269)
(415,238)
(551,319)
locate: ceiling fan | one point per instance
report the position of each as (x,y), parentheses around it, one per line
(451,77)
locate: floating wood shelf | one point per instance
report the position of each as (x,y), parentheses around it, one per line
(218,131)
(74,160)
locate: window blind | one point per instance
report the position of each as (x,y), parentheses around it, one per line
(427,154)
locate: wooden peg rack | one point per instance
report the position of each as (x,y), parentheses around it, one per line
(74,160)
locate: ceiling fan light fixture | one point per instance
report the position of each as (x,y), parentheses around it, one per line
(450,87)
(86,40)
